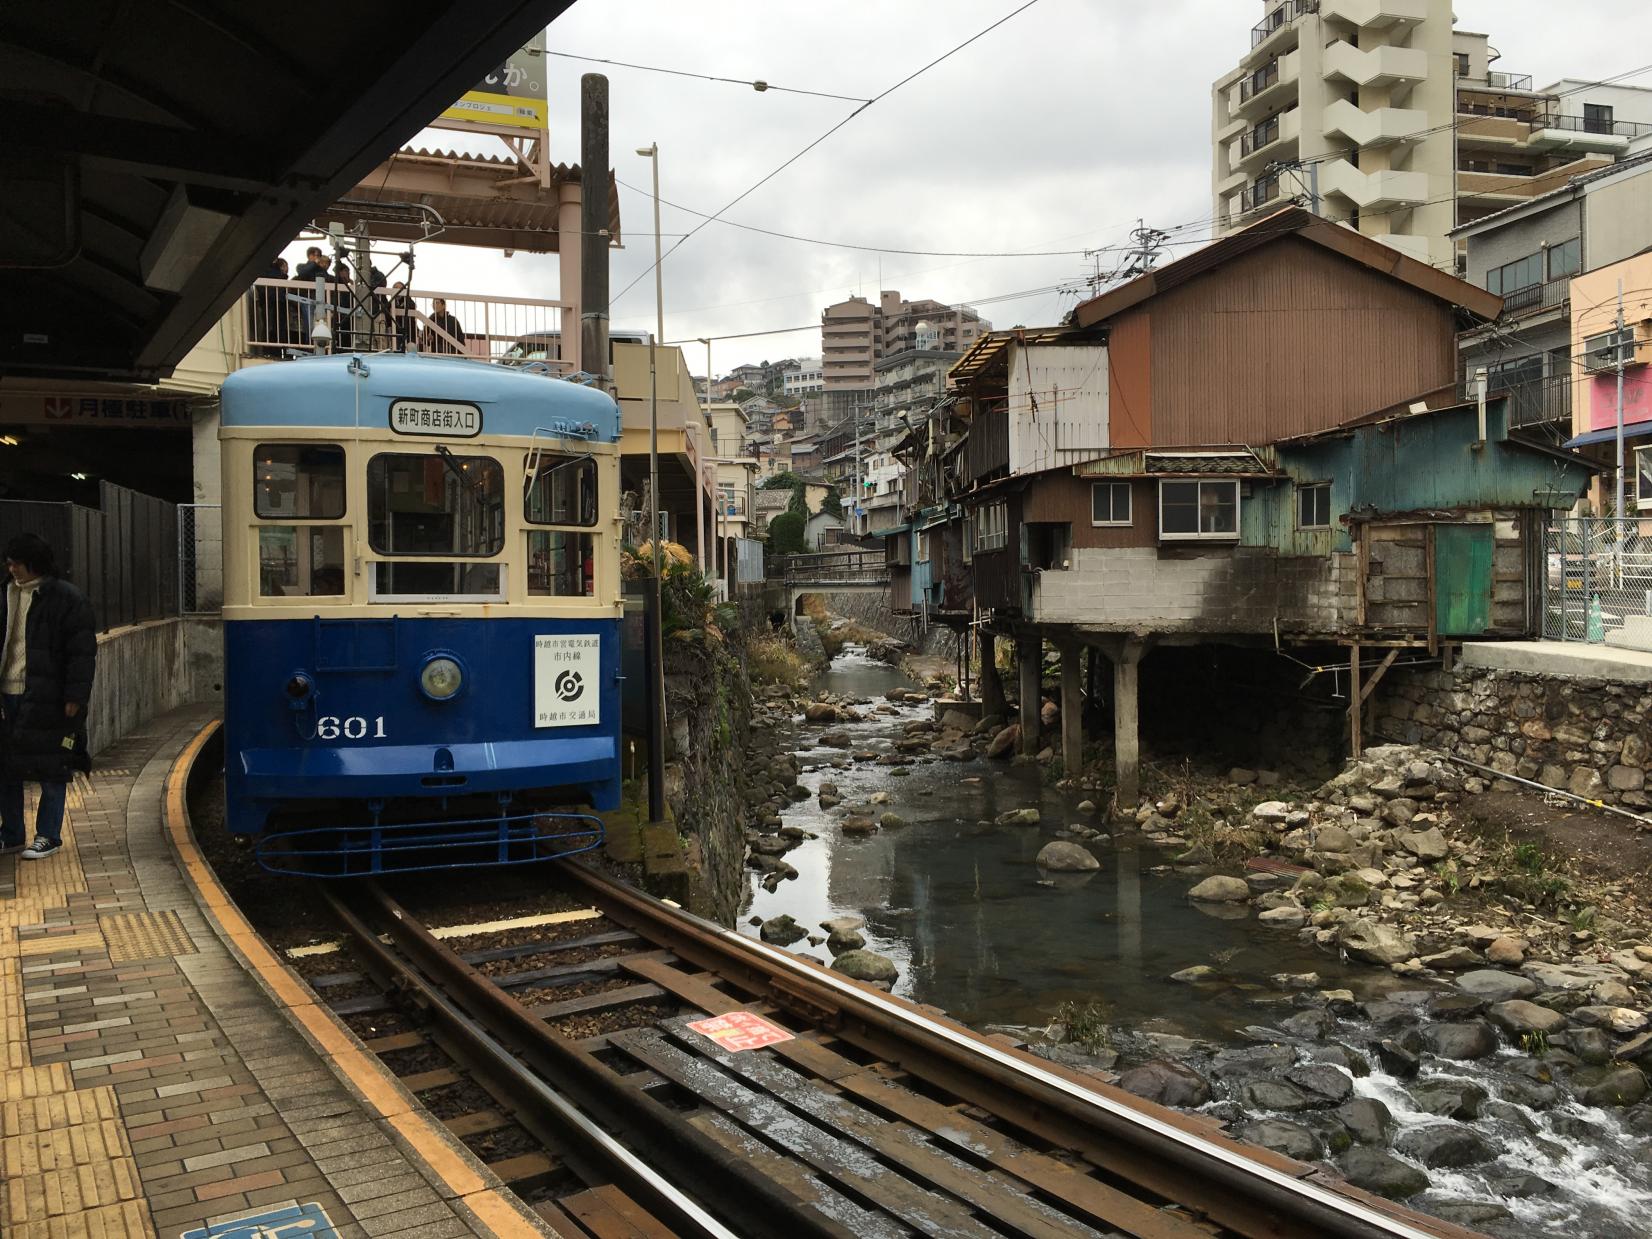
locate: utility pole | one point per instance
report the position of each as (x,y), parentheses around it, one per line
(1618,341)
(593,225)
(656,677)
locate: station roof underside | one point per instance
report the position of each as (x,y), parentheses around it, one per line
(157,156)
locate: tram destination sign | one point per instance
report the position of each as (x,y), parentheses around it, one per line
(439,419)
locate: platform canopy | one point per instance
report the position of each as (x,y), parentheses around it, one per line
(155,157)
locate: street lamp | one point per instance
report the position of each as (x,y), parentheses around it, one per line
(656,713)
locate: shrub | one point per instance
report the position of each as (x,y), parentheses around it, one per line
(786,534)
(772,660)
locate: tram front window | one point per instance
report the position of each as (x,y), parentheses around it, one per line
(300,561)
(430,505)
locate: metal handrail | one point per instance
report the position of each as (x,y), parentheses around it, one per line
(1589,124)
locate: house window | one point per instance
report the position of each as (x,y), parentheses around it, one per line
(1643,478)
(1597,118)
(1199,509)
(1605,351)
(1313,505)
(923,546)
(1110,503)
(1462,64)
(1566,258)
(1513,276)
(992,527)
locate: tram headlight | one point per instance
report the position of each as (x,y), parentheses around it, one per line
(441,678)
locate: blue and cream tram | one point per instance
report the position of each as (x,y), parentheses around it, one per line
(421,612)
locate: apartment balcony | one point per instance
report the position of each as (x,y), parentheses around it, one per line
(1368,190)
(1491,133)
(1538,402)
(1585,134)
(1274,138)
(1277,31)
(1494,184)
(1376,128)
(1375,14)
(1381,66)
(1537,298)
(1267,88)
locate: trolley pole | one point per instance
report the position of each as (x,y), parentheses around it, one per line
(656,648)
(593,226)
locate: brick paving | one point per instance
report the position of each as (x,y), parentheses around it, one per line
(150,1086)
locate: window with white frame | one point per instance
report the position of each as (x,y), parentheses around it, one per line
(1199,509)
(1643,478)
(923,546)
(1110,503)
(992,527)
(1313,505)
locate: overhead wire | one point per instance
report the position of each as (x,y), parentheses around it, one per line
(757,84)
(766,178)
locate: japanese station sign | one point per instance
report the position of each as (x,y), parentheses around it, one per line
(740,1030)
(509,99)
(84,409)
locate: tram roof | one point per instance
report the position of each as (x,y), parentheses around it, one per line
(318,391)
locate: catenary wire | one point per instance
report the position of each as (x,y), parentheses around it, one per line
(762,86)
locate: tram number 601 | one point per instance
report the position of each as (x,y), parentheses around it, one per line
(331,727)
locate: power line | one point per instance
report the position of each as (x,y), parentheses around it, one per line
(758,84)
(881,95)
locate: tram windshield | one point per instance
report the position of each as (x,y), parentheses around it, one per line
(436,505)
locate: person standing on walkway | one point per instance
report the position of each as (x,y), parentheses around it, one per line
(47,662)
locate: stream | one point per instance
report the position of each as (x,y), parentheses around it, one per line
(976,929)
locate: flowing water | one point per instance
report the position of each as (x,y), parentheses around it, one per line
(977,930)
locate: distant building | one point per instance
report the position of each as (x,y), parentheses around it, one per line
(803,376)
(1383,116)
(855,334)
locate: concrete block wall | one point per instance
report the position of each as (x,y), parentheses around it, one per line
(146,669)
(1588,736)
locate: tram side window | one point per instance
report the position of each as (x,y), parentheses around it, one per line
(301,561)
(561,565)
(563,492)
(298,481)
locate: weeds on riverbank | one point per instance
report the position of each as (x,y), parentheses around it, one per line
(1086,1026)
(773,660)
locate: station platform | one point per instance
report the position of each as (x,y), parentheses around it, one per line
(165,1075)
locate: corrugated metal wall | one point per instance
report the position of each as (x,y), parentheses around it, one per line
(1130,379)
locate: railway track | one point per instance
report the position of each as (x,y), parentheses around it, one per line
(618,1115)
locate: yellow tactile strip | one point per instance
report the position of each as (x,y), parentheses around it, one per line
(66,1167)
(134,936)
(379,1092)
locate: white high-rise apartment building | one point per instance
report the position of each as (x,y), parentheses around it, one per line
(1379,114)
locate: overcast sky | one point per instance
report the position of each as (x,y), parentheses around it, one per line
(1056,131)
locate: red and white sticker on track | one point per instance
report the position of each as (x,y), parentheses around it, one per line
(741,1030)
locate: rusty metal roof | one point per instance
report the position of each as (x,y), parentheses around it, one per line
(1292,222)
(992,348)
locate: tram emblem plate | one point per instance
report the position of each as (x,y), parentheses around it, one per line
(566,679)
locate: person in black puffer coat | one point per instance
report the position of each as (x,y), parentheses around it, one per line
(48,656)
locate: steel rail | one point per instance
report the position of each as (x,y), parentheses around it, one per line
(1243,1194)
(616,1126)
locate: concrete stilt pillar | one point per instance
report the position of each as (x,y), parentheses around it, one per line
(1029,653)
(992,685)
(1126,738)
(1072,709)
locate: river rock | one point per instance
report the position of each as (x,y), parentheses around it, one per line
(1471,1213)
(1323,1081)
(1592,1045)
(834,739)
(1168,1083)
(1287,917)
(1283,1136)
(1017,817)
(1445,1145)
(1637,1050)
(1609,1086)
(866,966)
(843,924)
(1569,976)
(957,720)
(1333,839)
(1496,986)
(820,712)
(1518,1017)
(1510,952)
(858,824)
(1449,1099)
(1425,845)
(1371,940)
(1621,1020)
(845,940)
(1310,1025)
(1452,960)
(782,930)
(1367,1120)
(1396,1059)
(1003,744)
(1272,812)
(1521,1186)
(1474,1039)
(1376,1171)
(1190,976)
(1220,888)
(1263,1094)
(891,821)
(1059,857)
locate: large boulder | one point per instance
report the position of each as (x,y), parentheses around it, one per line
(1609,1086)
(1375,1171)
(1474,1039)
(820,712)
(957,720)
(1168,1083)
(1517,1017)
(1017,817)
(1063,857)
(1003,744)
(1288,917)
(1260,1093)
(1371,940)
(1448,1098)
(1570,976)
(1445,1145)
(1283,1136)
(1425,845)
(1367,1120)
(1219,888)
(1495,986)
(782,930)
(1622,1020)
(867,966)
(1323,1081)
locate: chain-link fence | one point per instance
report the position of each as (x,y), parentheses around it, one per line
(1597,574)
(200,558)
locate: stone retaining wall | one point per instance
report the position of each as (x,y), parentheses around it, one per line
(1587,736)
(872,611)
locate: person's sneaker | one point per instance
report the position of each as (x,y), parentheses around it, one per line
(40,848)
(8,848)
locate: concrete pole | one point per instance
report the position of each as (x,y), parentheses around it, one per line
(1072,708)
(593,224)
(1126,736)
(992,686)
(1029,652)
(570,253)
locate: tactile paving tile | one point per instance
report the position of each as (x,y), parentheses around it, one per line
(144,935)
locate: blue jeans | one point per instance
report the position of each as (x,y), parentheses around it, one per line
(48,819)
